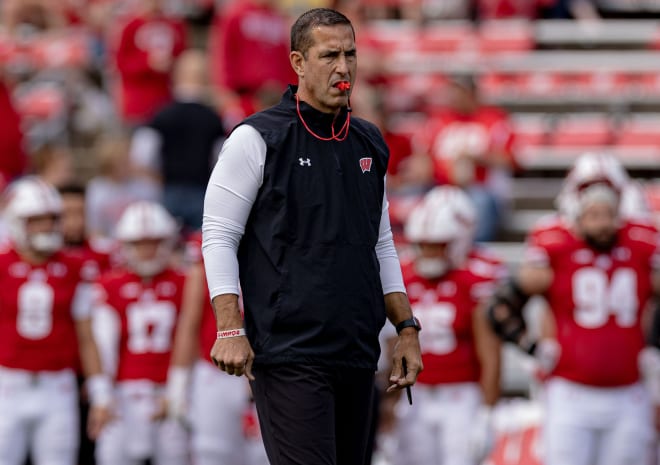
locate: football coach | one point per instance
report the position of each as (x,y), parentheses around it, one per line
(296,211)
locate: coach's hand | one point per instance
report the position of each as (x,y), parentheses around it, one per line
(407,346)
(233,355)
(230,352)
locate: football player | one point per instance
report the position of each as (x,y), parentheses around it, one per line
(589,168)
(135,315)
(213,403)
(96,258)
(44,309)
(597,269)
(450,419)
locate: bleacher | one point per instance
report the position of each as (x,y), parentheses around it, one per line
(569,86)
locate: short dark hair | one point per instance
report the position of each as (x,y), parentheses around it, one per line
(301,38)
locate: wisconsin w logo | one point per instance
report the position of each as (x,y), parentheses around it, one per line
(365,164)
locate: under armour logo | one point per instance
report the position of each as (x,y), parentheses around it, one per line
(305,161)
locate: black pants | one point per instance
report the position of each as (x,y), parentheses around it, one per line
(314,415)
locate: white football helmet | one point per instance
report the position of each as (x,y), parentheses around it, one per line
(589,170)
(445,215)
(26,198)
(146,220)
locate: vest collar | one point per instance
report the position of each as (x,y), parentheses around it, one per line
(317,120)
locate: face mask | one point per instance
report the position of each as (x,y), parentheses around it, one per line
(46,242)
(431,267)
(148,268)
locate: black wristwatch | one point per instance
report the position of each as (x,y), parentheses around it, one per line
(409,323)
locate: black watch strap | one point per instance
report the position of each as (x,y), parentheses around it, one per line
(409,323)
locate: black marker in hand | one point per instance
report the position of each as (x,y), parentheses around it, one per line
(404,365)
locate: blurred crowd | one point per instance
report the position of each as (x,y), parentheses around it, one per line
(133,98)
(117,102)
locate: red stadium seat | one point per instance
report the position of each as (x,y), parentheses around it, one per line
(541,84)
(495,85)
(392,36)
(650,83)
(530,130)
(582,130)
(506,36)
(640,130)
(448,37)
(593,83)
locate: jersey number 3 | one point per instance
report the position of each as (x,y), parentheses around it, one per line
(596,297)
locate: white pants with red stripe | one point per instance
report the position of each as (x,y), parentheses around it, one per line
(39,413)
(435,430)
(588,425)
(134,436)
(219,405)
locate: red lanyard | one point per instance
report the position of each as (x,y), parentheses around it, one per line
(334,136)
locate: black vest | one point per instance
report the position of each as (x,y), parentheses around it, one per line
(308,267)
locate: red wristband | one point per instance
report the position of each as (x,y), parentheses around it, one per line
(227,333)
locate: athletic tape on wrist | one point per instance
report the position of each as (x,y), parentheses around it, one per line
(99,389)
(227,333)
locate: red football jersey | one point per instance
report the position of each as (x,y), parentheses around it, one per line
(98,255)
(488,264)
(449,134)
(596,299)
(445,307)
(142,89)
(148,311)
(37,329)
(249,49)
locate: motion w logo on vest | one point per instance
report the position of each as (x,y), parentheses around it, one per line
(365,164)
